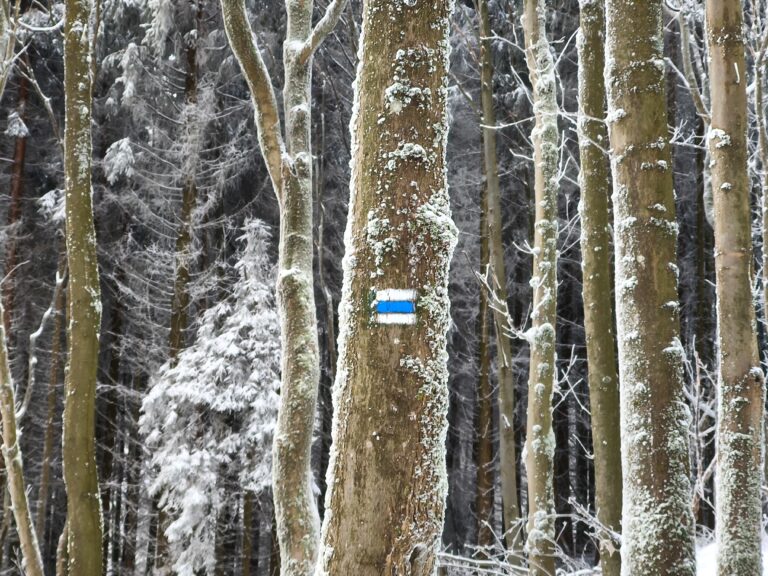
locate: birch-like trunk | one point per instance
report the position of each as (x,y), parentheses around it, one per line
(657,523)
(741,396)
(15,484)
(540,438)
(289,162)
(596,250)
(387,480)
(84,535)
(498,280)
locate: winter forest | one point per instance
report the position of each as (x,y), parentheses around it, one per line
(383,287)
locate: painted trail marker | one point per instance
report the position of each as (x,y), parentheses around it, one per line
(395,306)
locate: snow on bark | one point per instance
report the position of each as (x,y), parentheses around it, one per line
(79,445)
(741,396)
(386,477)
(657,523)
(540,439)
(597,275)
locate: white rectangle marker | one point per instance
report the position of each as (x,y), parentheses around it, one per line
(395,306)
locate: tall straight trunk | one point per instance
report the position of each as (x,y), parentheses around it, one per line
(741,397)
(14,208)
(498,268)
(540,439)
(248,536)
(289,162)
(43,493)
(387,479)
(484,496)
(657,523)
(78,443)
(597,279)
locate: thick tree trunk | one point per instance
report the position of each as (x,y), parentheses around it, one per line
(386,479)
(741,395)
(507,447)
(657,520)
(289,162)
(540,440)
(597,278)
(79,445)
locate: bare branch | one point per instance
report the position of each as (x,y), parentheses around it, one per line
(245,48)
(323,27)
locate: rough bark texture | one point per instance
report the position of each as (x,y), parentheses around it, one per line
(741,394)
(597,278)
(657,537)
(289,162)
(386,480)
(78,445)
(498,269)
(540,438)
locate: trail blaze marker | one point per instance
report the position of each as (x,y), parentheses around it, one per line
(395,306)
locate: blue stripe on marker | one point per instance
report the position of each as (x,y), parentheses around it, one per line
(396,307)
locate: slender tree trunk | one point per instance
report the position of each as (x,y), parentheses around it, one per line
(386,480)
(657,521)
(540,440)
(79,445)
(484,497)
(507,449)
(248,539)
(741,396)
(289,162)
(14,208)
(596,249)
(50,420)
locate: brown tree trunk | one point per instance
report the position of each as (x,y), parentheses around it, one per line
(741,397)
(597,278)
(386,479)
(657,524)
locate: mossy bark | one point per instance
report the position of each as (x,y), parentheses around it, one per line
(540,438)
(597,280)
(741,396)
(79,444)
(386,480)
(657,523)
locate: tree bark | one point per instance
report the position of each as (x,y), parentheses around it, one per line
(657,520)
(540,440)
(386,479)
(79,445)
(498,269)
(597,279)
(741,396)
(289,162)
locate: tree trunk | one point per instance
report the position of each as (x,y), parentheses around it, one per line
(79,445)
(50,420)
(33,563)
(289,162)
(14,208)
(597,278)
(248,539)
(484,496)
(540,440)
(741,396)
(386,480)
(507,448)
(657,520)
